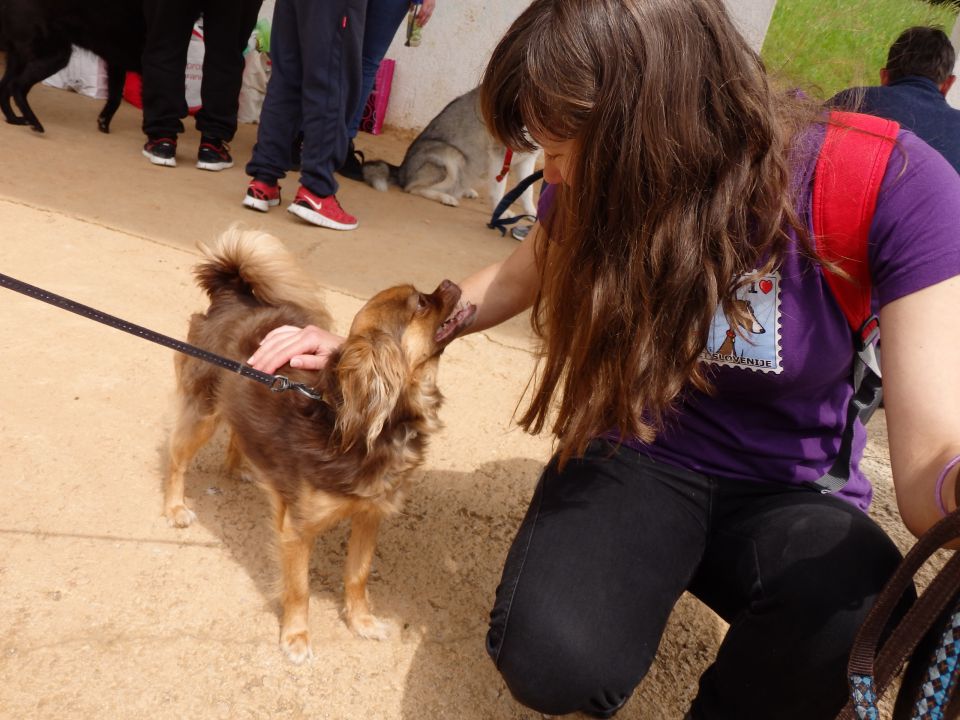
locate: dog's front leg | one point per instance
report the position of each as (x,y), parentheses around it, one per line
(295,546)
(363,541)
(192,431)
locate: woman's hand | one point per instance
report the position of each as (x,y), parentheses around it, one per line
(308,348)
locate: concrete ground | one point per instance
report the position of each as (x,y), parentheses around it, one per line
(105,611)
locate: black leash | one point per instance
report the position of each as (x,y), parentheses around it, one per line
(277,383)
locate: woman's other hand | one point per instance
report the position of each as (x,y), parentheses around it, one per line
(307,348)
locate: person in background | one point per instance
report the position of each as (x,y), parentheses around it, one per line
(315,50)
(913,88)
(383,19)
(227,25)
(680,190)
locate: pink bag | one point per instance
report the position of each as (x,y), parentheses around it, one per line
(376,108)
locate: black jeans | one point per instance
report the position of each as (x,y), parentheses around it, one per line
(610,543)
(227,25)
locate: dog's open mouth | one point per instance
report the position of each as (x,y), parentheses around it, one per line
(460,318)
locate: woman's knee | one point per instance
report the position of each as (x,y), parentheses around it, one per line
(558,668)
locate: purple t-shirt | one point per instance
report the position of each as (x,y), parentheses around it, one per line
(781,394)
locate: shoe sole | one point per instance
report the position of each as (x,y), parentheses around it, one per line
(315,218)
(214,166)
(165,162)
(258,204)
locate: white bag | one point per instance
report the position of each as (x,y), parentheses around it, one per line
(256,74)
(85,73)
(194,71)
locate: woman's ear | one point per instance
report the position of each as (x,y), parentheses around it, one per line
(371,371)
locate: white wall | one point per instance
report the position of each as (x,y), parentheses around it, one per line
(454,49)
(457,43)
(753,18)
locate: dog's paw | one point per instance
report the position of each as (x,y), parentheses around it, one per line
(471,194)
(297,647)
(180,516)
(369,627)
(449,200)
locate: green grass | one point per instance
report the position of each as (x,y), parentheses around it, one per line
(824,46)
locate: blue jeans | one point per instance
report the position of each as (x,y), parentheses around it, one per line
(383,19)
(612,540)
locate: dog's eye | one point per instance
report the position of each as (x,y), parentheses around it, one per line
(421,303)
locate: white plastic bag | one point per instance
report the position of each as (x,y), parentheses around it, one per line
(86,74)
(256,74)
(194,71)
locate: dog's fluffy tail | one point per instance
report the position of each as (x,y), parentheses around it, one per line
(256,264)
(380,174)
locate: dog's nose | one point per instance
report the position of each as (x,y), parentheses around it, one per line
(446,287)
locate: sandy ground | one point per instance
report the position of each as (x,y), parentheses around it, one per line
(105,611)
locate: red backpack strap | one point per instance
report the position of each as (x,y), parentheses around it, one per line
(849,171)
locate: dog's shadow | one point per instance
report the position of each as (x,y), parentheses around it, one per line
(436,570)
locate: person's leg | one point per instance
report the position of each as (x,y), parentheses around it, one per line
(794,572)
(280,115)
(383,19)
(227,25)
(169,23)
(331,38)
(608,545)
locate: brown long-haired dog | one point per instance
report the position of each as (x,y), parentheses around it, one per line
(320,462)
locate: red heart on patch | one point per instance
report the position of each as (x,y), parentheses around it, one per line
(766,286)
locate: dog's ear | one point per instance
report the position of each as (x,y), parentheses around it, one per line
(371,371)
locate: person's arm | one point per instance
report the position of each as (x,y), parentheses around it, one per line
(921,388)
(499,291)
(503,289)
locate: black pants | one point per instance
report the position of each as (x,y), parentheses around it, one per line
(315,48)
(227,25)
(610,543)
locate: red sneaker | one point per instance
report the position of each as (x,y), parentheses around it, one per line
(323,211)
(261,196)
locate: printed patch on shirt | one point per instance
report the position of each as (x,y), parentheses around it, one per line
(757,344)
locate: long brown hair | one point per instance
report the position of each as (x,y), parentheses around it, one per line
(680,183)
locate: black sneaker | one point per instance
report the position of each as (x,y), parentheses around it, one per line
(161,151)
(213,154)
(352,168)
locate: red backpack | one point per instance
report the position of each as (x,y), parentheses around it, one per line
(923,646)
(850,168)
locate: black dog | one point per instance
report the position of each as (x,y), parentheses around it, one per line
(37,36)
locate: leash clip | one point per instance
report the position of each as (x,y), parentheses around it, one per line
(282,383)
